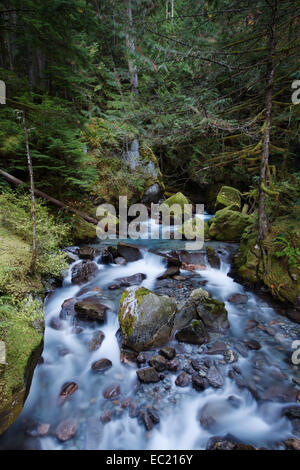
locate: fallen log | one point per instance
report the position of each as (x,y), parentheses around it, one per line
(17,182)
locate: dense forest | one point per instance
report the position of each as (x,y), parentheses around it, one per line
(176,100)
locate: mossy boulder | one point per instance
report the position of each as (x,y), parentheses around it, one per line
(177,202)
(145,318)
(200,305)
(279,268)
(190,228)
(22,333)
(228,197)
(83,231)
(228,225)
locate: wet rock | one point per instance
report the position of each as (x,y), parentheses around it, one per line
(129,253)
(227,442)
(218,347)
(148,375)
(111,392)
(238,298)
(67,390)
(141,358)
(146,419)
(91,309)
(199,366)
(171,271)
(183,380)
(214,377)
(168,353)
(241,349)
(67,308)
(173,365)
(192,257)
(43,430)
(252,344)
(102,365)
(296,380)
(87,252)
(211,311)
(194,333)
(158,362)
(120,261)
(56,323)
(292,444)
(134,410)
(235,401)
(106,417)
(212,257)
(146,319)
(292,412)
(198,383)
(128,357)
(230,356)
(66,430)
(134,280)
(106,257)
(153,413)
(96,341)
(84,272)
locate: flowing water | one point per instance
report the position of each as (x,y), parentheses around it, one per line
(256,417)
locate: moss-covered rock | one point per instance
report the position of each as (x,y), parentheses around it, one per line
(21,330)
(228,225)
(83,231)
(212,312)
(177,202)
(279,267)
(145,318)
(228,197)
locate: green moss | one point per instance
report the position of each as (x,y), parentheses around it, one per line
(140,294)
(228,197)
(187,229)
(22,331)
(228,225)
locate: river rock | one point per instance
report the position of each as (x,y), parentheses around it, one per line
(213,258)
(120,261)
(84,272)
(88,252)
(227,442)
(56,323)
(183,380)
(43,429)
(102,365)
(292,444)
(67,308)
(252,344)
(238,298)
(170,272)
(158,362)
(134,280)
(173,365)
(198,383)
(194,333)
(168,353)
(106,417)
(200,305)
(145,318)
(129,253)
(141,358)
(148,375)
(66,430)
(67,390)
(214,377)
(146,419)
(96,341)
(111,392)
(292,412)
(91,309)
(153,413)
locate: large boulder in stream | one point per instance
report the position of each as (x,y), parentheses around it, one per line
(228,225)
(129,253)
(91,309)
(200,305)
(145,318)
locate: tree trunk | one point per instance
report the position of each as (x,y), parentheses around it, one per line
(262,214)
(33,207)
(130,43)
